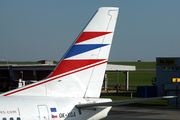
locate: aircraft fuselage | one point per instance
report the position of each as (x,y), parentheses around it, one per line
(47,108)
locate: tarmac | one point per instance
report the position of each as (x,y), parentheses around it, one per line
(142,113)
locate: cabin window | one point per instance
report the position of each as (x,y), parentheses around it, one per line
(11,118)
(4,119)
(18,118)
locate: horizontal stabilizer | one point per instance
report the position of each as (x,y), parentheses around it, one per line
(121,102)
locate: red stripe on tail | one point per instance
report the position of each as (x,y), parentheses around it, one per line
(89,35)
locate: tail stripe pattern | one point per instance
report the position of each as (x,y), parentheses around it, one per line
(69,63)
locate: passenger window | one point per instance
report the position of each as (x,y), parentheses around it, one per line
(11,119)
(18,118)
(4,119)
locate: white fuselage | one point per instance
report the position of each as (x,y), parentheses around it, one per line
(47,108)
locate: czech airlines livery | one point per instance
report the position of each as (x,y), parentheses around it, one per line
(73,88)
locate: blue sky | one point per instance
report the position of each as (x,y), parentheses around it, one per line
(35,30)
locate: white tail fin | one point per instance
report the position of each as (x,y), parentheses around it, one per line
(81,71)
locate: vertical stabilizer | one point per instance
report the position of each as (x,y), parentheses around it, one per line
(80,73)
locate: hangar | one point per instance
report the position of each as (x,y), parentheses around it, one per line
(41,71)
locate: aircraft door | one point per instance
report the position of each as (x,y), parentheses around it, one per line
(43,112)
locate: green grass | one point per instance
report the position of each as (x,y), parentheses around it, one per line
(139,65)
(141,78)
(136,78)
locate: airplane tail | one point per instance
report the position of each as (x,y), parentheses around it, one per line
(80,72)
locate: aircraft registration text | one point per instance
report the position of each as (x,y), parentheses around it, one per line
(64,115)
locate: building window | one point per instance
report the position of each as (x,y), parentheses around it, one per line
(165,68)
(171,68)
(11,118)
(4,119)
(177,68)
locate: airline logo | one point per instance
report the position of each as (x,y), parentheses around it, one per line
(53,112)
(83,45)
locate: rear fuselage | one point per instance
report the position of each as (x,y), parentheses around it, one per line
(47,108)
